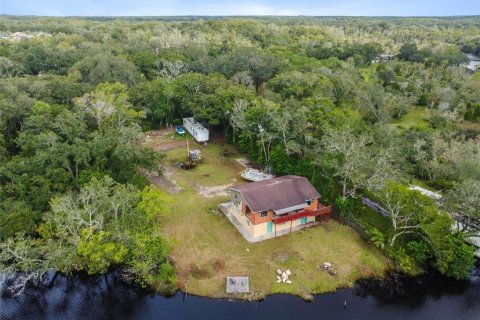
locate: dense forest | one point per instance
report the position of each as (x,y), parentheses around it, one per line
(309,96)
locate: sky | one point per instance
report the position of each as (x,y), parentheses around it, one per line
(249,7)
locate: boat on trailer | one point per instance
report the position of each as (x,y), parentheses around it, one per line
(180,130)
(255,175)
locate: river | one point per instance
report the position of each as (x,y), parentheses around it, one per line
(82,297)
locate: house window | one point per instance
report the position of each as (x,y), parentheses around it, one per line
(235,198)
(263,214)
(309,201)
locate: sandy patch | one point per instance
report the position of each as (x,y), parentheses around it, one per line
(165,182)
(161,140)
(217,191)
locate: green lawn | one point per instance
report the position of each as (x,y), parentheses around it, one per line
(207,248)
(368,72)
(414,118)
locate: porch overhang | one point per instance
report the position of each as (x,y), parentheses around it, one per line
(319,211)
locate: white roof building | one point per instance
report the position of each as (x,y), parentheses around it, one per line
(199,132)
(425,192)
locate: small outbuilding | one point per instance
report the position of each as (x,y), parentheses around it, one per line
(199,132)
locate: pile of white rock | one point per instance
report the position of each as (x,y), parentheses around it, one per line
(327,265)
(283,276)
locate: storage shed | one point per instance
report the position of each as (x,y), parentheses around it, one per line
(198,132)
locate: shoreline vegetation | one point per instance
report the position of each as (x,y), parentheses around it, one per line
(361,107)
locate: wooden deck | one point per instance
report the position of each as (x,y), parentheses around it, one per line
(237,285)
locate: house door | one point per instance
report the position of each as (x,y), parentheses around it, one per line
(270,227)
(303,220)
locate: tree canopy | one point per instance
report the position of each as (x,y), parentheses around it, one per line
(352,104)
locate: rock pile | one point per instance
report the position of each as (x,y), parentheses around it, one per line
(327,266)
(283,276)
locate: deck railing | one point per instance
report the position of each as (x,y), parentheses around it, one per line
(320,210)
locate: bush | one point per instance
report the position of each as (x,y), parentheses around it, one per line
(377,237)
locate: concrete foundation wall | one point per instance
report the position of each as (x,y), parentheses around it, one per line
(257,230)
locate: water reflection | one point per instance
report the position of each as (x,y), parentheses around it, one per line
(82,297)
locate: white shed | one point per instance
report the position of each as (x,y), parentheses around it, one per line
(434,195)
(199,132)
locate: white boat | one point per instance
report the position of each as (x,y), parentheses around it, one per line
(254,175)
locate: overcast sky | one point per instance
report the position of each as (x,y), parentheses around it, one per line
(230,7)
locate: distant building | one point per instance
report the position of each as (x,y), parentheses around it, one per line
(43,34)
(473,63)
(383,57)
(20,36)
(434,195)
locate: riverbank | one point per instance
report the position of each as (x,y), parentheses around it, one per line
(430,297)
(207,248)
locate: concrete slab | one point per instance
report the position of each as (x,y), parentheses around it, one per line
(237,285)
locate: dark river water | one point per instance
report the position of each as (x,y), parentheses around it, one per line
(81,297)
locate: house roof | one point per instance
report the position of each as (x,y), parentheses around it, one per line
(277,193)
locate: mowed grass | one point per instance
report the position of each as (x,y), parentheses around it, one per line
(414,118)
(207,248)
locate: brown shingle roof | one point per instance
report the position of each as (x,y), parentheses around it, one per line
(277,193)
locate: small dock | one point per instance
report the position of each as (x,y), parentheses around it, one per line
(237,285)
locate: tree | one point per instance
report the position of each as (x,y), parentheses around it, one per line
(9,68)
(23,256)
(109,107)
(153,202)
(17,217)
(260,127)
(104,67)
(149,259)
(404,206)
(261,65)
(295,84)
(99,252)
(409,52)
(464,198)
(100,202)
(425,232)
(145,62)
(236,116)
(379,105)
(155,98)
(355,160)
(170,70)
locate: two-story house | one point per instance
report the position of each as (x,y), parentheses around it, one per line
(276,206)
